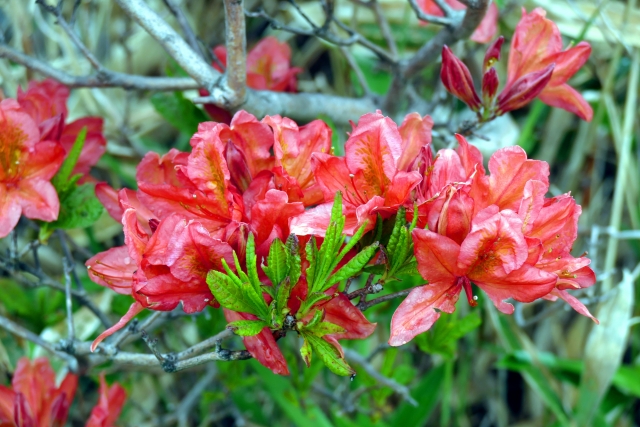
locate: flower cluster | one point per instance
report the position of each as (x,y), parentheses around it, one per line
(35,401)
(34,141)
(256,218)
(268,68)
(537,67)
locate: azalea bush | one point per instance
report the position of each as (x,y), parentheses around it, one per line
(269,237)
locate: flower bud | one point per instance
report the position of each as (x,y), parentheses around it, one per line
(457,79)
(59,411)
(524,90)
(489,86)
(493,53)
(238,168)
(21,414)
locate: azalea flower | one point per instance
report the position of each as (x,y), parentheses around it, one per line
(26,166)
(109,405)
(373,175)
(485,31)
(498,232)
(194,209)
(268,68)
(46,103)
(34,400)
(538,67)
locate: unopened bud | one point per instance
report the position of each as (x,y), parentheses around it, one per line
(493,54)
(490,84)
(457,79)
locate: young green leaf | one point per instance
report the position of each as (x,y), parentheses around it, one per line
(330,355)
(228,293)
(353,267)
(311,255)
(61,180)
(276,268)
(321,329)
(294,262)
(317,318)
(252,264)
(305,352)
(395,234)
(282,297)
(311,300)
(179,111)
(247,328)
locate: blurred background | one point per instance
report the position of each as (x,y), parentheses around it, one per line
(544,366)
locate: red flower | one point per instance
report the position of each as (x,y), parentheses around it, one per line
(26,166)
(108,408)
(192,209)
(371,174)
(485,31)
(34,400)
(536,45)
(538,67)
(497,231)
(46,103)
(268,68)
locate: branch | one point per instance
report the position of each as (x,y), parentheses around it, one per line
(440,20)
(460,29)
(18,330)
(363,305)
(178,49)
(177,12)
(106,78)
(369,369)
(236,42)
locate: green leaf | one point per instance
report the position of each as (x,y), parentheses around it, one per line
(325,328)
(276,268)
(228,293)
(294,261)
(61,180)
(317,318)
(330,355)
(305,352)
(311,254)
(353,267)
(256,300)
(181,113)
(282,297)
(247,328)
(395,234)
(352,242)
(311,300)
(80,208)
(252,264)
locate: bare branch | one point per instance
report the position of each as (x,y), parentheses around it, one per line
(461,29)
(57,12)
(385,29)
(363,305)
(236,72)
(18,330)
(440,20)
(177,12)
(107,78)
(175,46)
(356,69)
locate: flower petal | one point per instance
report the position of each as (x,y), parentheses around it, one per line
(416,133)
(134,309)
(567,98)
(113,268)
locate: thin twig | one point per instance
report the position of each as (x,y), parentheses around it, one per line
(402,390)
(18,330)
(356,69)
(68,267)
(364,305)
(181,412)
(187,31)
(440,20)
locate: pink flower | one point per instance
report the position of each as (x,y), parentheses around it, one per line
(109,405)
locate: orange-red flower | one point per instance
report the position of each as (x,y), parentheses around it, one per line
(26,166)
(46,103)
(536,45)
(34,400)
(268,68)
(374,176)
(538,67)
(498,232)
(109,405)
